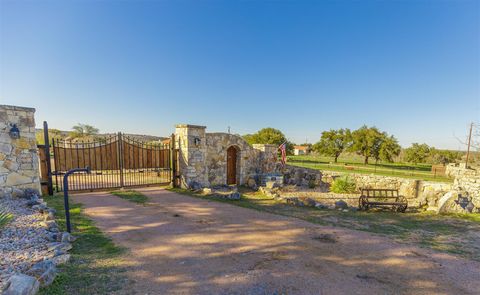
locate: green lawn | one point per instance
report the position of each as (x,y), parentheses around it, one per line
(353,164)
(451,233)
(96,266)
(131,195)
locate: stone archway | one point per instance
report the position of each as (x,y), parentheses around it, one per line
(232,154)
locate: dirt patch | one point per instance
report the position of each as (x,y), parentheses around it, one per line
(218,248)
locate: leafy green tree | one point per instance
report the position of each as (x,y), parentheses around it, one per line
(389,149)
(270,136)
(417,153)
(83,130)
(444,156)
(333,143)
(367,142)
(52,133)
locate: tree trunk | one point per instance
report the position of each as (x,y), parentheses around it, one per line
(366,160)
(336,158)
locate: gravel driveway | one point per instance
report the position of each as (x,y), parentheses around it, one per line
(185,245)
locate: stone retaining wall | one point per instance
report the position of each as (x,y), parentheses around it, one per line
(466,180)
(19,164)
(419,193)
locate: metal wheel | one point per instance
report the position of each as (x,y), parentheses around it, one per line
(363,203)
(401,208)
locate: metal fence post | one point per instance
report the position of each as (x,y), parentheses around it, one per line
(120,158)
(65,194)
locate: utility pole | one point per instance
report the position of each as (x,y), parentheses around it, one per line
(468,147)
(228,129)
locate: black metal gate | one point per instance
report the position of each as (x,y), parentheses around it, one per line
(115,161)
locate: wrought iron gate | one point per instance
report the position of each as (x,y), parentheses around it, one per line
(115,161)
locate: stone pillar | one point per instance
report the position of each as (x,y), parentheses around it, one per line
(19,164)
(268,156)
(192,146)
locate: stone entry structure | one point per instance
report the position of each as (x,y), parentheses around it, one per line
(19,167)
(211,159)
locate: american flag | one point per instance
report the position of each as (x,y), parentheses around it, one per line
(283,150)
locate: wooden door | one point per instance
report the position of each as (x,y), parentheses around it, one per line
(231,165)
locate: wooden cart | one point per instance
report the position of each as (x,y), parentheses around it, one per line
(381,198)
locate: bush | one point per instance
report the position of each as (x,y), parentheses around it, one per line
(343,185)
(4,218)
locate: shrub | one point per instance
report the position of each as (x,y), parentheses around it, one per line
(5,218)
(343,185)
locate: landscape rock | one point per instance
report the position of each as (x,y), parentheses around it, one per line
(195,186)
(67,238)
(61,259)
(21,284)
(49,224)
(271,184)
(341,205)
(62,246)
(45,272)
(251,183)
(18,193)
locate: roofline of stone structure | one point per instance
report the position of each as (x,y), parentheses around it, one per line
(189,126)
(16,108)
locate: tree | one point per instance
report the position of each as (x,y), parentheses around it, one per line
(83,130)
(417,153)
(389,149)
(269,136)
(334,142)
(367,142)
(443,156)
(52,133)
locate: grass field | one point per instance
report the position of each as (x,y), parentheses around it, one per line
(353,164)
(452,233)
(96,266)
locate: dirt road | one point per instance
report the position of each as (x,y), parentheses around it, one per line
(184,245)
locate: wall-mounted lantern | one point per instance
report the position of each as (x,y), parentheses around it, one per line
(14,132)
(196,141)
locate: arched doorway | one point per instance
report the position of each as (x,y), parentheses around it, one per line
(232,165)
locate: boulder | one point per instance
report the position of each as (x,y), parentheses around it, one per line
(61,247)
(61,259)
(294,201)
(195,186)
(21,284)
(320,206)
(67,238)
(48,216)
(49,224)
(308,202)
(272,184)
(18,193)
(251,183)
(234,196)
(455,202)
(206,191)
(45,271)
(341,205)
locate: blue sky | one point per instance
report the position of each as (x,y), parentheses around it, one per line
(411,68)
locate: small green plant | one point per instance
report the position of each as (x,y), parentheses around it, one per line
(343,185)
(312,184)
(5,218)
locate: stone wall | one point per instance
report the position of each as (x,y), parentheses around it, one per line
(419,193)
(19,165)
(203,157)
(465,179)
